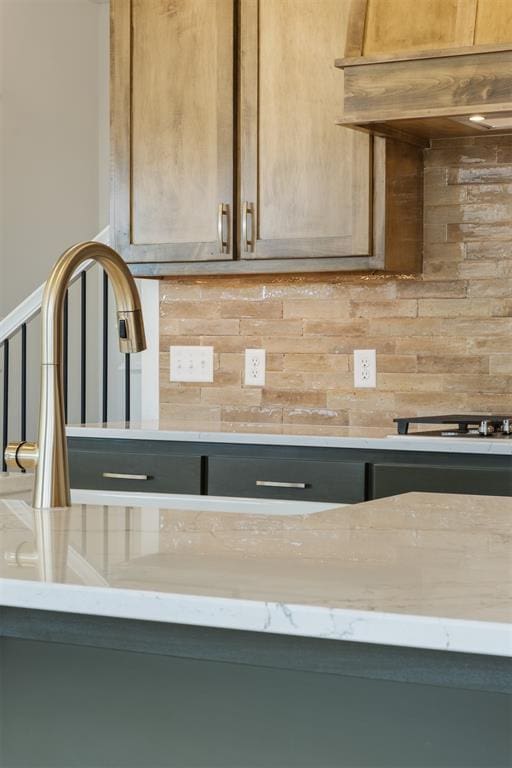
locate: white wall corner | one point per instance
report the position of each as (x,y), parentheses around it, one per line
(150,359)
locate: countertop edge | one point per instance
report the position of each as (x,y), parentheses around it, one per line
(483,446)
(400,630)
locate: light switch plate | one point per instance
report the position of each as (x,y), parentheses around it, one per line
(191,364)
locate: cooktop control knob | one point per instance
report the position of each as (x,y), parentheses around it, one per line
(484,428)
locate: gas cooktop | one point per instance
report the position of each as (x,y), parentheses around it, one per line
(460,425)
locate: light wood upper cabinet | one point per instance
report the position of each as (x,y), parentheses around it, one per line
(305,180)
(226,153)
(173,128)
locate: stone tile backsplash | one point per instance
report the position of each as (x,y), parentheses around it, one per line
(443,339)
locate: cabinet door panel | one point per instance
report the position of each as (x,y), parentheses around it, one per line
(307,181)
(173,96)
(393,479)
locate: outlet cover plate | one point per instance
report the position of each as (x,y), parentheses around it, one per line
(365,368)
(191,364)
(254,368)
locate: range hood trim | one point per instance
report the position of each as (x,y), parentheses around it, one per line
(420,114)
(456,85)
(427,53)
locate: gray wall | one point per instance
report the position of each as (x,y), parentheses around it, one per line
(54,172)
(53,135)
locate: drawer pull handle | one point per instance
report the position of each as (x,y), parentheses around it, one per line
(122,476)
(276,484)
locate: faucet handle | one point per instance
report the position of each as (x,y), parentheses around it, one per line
(21,456)
(131,331)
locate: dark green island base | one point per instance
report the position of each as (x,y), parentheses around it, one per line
(90,692)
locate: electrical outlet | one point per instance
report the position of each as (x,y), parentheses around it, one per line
(255,367)
(191,363)
(365,368)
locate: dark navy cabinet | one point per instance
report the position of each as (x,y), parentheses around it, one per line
(390,478)
(344,475)
(284,478)
(143,467)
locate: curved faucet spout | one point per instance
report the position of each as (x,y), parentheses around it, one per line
(52,474)
(131,327)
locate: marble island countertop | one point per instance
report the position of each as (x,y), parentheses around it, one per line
(419,570)
(279,434)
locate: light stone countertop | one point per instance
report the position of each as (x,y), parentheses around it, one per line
(340,437)
(418,570)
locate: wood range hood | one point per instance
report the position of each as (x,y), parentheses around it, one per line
(417,70)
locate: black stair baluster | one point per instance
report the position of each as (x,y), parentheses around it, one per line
(23,382)
(83,349)
(104,410)
(127,387)
(5,423)
(65,356)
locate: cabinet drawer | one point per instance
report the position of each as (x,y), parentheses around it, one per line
(301,480)
(150,472)
(391,479)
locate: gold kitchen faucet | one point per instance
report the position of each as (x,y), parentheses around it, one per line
(49,455)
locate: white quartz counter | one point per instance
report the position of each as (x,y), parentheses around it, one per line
(418,570)
(372,439)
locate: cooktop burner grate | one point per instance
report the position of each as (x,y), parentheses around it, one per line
(460,425)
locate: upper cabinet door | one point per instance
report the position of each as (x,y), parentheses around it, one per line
(172,120)
(304,182)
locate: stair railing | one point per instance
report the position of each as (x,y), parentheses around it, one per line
(18,322)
